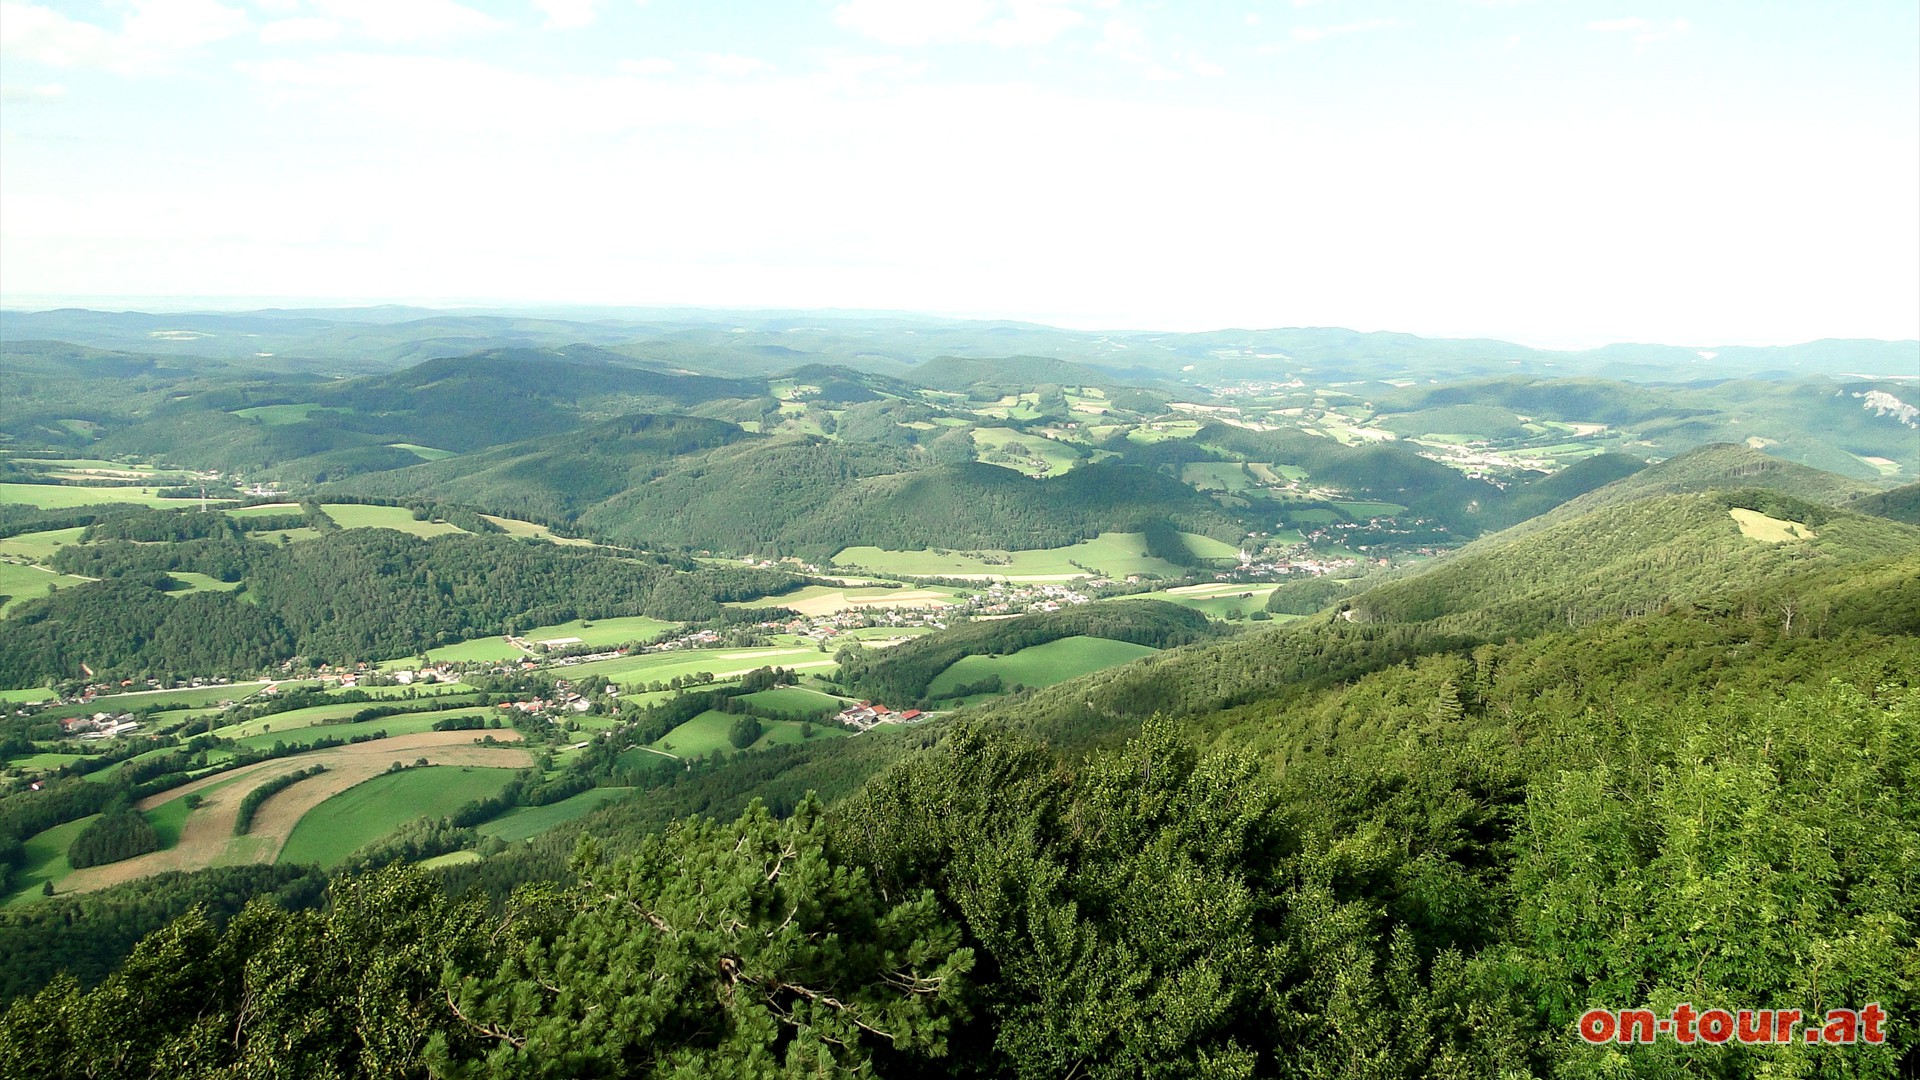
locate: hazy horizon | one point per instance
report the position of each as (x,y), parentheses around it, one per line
(588,312)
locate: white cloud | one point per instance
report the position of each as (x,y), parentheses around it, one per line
(568,14)
(733,65)
(182,24)
(1644,32)
(151,34)
(397,21)
(1309,34)
(44,36)
(291,31)
(649,65)
(41,92)
(1005,23)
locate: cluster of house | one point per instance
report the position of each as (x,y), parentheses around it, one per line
(124,686)
(364,675)
(865,715)
(99,726)
(1010,598)
(565,699)
(1285,566)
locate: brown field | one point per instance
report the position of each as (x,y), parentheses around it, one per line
(829,603)
(207,838)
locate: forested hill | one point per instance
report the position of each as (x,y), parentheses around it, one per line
(1900,504)
(814,498)
(353,595)
(1715,466)
(554,479)
(1635,558)
(458,404)
(902,675)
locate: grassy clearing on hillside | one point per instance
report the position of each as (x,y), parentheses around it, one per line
(526,821)
(282,415)
(616,631)
(368,811)
(1215,603)
(399,518)
(1057,457)
(46,759)
(699,736)
(870,634)
(793,701)
(23,583)
(46,860)
(1365,509)
(707,732)
(1113,554)
(263,510)
(53,497)
(26,696)
(826,600)
(781,733)
(1041,665)
(1757,526)
(527,530)
(1217,475)
(168,819)
(292,720)
(39,546)
(639,670)
(401,724)
(198,583)
(424,453)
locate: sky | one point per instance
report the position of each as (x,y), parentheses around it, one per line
(1556,172)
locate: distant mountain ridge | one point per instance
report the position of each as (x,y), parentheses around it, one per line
(394,336)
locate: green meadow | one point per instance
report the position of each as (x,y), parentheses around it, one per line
(400,724)
(1040,665)
(522,822)
(1216,603)
(193,583)
(1058,457)
(478,650)
(616,631)
(54,497)
(45,859)
(282,415)
(39,546)
(25,696)
(368,811)
(424,453)
(1114,554)
(1365,509)
(399,518)
(22,583)
(793,701)
(707,732)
